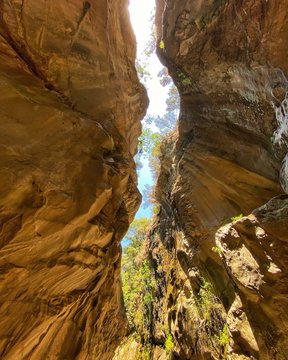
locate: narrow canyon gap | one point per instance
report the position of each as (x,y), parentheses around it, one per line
(70,111)
(217,249)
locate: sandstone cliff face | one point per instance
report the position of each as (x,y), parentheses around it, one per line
(70,110)
(222,292)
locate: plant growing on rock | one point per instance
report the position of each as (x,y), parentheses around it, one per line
(237,217)
(223,338)
(213,315)
(216,249)
(162,45)
(205,298)
(137,280)
(169,344)
(184,79)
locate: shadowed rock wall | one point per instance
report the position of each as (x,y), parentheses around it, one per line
(70,110)
(223,299)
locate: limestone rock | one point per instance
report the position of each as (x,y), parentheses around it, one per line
(70,110)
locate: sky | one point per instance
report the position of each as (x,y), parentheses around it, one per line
(140,15)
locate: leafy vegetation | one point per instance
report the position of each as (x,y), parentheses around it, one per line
(173,101)
(235,218)
(162,45)
(155,208)
(213,317)
(149,148)
(205,298)
(142,70)
(223,338)
(216,249)
(137,280)
(143,61)
(184,79)
(147,142)
(169,344)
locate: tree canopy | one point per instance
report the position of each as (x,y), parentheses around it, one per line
(137,279)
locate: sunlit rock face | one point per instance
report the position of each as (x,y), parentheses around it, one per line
(228,60)
(70,110)
(254,251)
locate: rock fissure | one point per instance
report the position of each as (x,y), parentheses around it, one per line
(219,264)
(210,279)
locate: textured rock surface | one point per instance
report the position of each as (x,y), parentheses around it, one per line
(254,251)
(228,60)
(70,109)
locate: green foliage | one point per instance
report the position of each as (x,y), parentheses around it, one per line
(235,218)
(149,148)
(149,145)
(213,315)
(169,344)
(223,338)
(137,233)
(142,70)
(146,351)
(137,279)
(147,142)
(205,299)
(155,208)
(186,82)
(173,102)
(184,79)
(216,249)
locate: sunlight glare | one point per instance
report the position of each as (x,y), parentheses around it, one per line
(140,14)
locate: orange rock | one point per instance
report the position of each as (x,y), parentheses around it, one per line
(70,110)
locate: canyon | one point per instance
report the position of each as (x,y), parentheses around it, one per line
(218,245)
(71,106)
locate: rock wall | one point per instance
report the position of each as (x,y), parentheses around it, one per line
(70,110)
(221,276)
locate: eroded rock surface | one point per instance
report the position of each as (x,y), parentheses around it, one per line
(254,251)
(228,60)
(70,110)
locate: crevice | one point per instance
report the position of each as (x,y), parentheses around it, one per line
(85,9)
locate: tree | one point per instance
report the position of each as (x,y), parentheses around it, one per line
(147,196)
(142,70)
(137,279)
(143,62)
(151,44)
(164,76)
(147,141)
(164,124)
(173,100)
